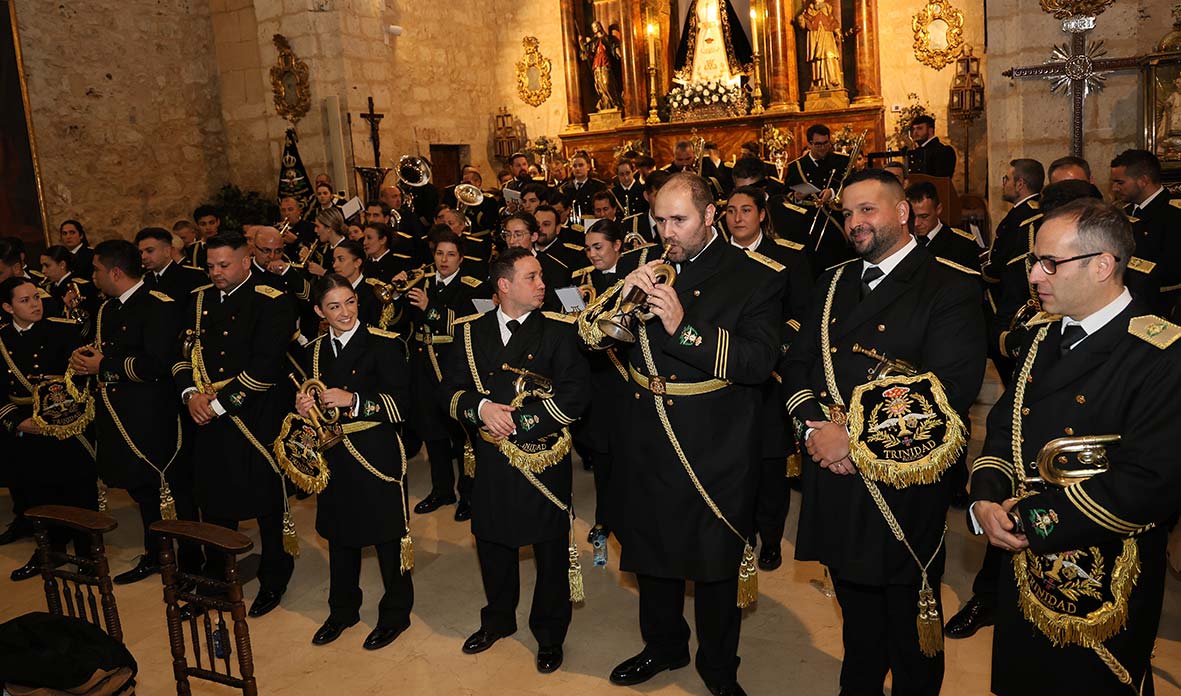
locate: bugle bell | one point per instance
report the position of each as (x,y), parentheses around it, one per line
(621,326)
(1090,451)
(528,383)
(413,171)
(468,196)
(325,419)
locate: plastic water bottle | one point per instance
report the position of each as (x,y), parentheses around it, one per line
(600,546)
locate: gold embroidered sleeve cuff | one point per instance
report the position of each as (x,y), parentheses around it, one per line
(1092,510)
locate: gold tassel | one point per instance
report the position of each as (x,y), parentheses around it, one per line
(167,502)
(577,591)
(103,504)
(290,538)
(930,626)
(469,459)
(748,579)
(407,553)
(794,465)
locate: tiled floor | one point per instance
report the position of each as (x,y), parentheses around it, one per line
(790,641)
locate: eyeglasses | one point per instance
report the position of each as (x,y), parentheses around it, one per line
(268,252)
(508,236)
(1050,266)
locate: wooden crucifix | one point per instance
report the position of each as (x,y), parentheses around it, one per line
(1078,68)
(374,120)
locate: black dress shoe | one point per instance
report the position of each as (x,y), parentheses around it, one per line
(974,616)
(549,658)
(642,667)
(28,570)
(265,602)
(381,636)
(463,511)
(19,529)
(331,630)
(480,641)
(143,568)
(770,558)
(725,689)
(431,503)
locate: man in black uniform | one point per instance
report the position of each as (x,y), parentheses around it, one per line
(628,189)
(822,168)
(231,376)
(941,240)
(685,160)
(582,187)
(521,495)
(161,272)
(138,436)
(929,156)
(684,482)
(905,304)
(819,166)
(1136,182)
(1080,610)
(569,255)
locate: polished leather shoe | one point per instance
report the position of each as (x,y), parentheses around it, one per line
(641,668)
(28,570)
(380,637)
(480,641)
(770,558)
(431,503)
(331,630)
(549,658)
(143,568)
(725,689)
(19,529)
(463,511)
(974,616)
(265,602)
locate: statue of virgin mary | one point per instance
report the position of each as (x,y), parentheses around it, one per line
(713,45)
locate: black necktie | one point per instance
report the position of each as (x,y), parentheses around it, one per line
(923,240)
(1072,334)
(871,274)
(513,325)
(337,346)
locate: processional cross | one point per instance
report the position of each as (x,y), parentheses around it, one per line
(374,119)
(1078,68)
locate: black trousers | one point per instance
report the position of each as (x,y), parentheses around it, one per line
(880,636)
(20,503)
(344,589)
(276,568)
(772,501)
(444,455)
(602,473)
(984,587)
(549,615)
(719,621)
(190,557)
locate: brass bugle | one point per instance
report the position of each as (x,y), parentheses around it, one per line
(886,367)
(542,386)
(1091,451)
(315,388)
(621,326)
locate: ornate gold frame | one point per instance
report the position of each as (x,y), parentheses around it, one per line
(289,65)
(534,59)
(1065,9)
(20,69)
(924,53)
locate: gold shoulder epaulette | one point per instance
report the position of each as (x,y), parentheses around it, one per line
(766,261)
(62,320)
(268,291)
(160,296)
(1175,202)
(473,258)
(1042,318)
(202,287)
(1139,264)
(464,320)
(1015,259)
(38,274)
(194,268)
(382,332)
(556,260)
(82,281)
(1133,219)
(470,281)
(573,247)
(1027,221)
(842,263)
(582,271)
(43,293)
(956,266)
(1152,329)
(794,246)
(963,233)
(558,316)
(1034,204)
(794,207)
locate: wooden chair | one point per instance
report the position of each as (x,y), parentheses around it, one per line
(92,571)
(202,597)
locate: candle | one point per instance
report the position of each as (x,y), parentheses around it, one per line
(754,31)
(652,44)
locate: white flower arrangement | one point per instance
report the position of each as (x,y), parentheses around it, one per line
(689,96)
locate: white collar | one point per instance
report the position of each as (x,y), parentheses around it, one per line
(225,294)
(16,325)
(130,291)
(629,186)
(1142,206)
(344,337)
(612,269)
(63,279)
(360,279)
(547,246)
(752,247)
(75,249)
(713,235)
(924,143)
(1032,195)
(445,280)
(891,262)
(932,233)
(379,258)
(162,270)
(502,320)
(1099,319)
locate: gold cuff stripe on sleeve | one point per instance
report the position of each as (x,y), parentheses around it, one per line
(793,324)
(252,383)
(7,409)
(391,407)
(129,369)
(181,367)
(455,403)
(450,322)
(1096,512)
(722,361)
(995,462)
(798,398)
(556,412)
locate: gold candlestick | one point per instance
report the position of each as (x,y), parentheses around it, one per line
(653,116)
(756,91)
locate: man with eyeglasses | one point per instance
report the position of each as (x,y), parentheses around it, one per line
(521,231)
(267,252)
(1087,548)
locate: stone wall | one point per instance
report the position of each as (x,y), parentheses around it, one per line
(124,102)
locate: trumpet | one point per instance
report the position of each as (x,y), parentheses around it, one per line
(1091,451)
(886,367)
(622,325)
(325,420)
(528,383)
(75,310)
(387,293)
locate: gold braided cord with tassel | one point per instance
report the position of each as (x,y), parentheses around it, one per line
(574,571)
(104,504)
(748,571)
(167,502)
(407,545)
(469,459)
(290,536)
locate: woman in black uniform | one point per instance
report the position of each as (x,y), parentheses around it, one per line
(50,471)
(56,266)
(364,503)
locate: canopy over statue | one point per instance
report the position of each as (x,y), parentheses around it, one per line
(713,45)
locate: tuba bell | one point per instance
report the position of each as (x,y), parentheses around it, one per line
(413,171)
(622,325)
(1090,452)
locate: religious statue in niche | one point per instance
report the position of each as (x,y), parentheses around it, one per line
(602,50)
(821,23)
(713,47)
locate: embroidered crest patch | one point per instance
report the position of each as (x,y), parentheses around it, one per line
(236,397)
(1043,521)
(470,414)
(689,336)
(432,314)
(370,408)
(528,421)
(110,376)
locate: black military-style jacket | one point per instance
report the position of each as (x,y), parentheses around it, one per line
(822,174)
(955,245)
(631,201)
(580,196)
(176,281)
(933,159)
(1013,237)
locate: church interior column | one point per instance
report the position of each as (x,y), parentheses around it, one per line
(635,76)
(783,80)
(576,114)
(868,78)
